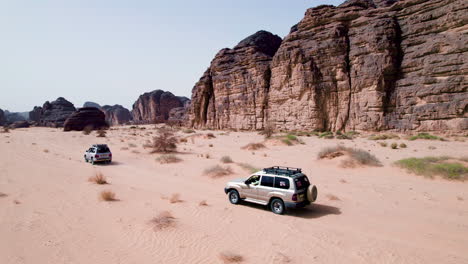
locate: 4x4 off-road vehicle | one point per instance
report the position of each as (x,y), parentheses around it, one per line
(98,153)
(276,187)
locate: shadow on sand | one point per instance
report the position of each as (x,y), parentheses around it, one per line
(310,212)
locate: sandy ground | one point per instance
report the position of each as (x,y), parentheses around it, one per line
(50,213)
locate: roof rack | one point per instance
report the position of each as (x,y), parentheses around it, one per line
(286,171)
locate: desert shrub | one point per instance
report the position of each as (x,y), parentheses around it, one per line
(346,135)
(435,166)
(108,196)
(203,203)
(333,197)
(46,151)
(163,220)
(164,142)
(188,131)
(183,140)
(132,145)
(3,195)
(254,146)
(6,129)
(394,145)
(403,145)
(210,145)
(268,130)
(133,127)
(248,167)
(218,171)
(431,147)
(226,159)
(101,133)
(425,136)
(87,130)
(229,257)
(363,157)
(291,137)
(357,156)
(383,144)
(175,198)
(383,137)
(287,142)
(331,152)
(168,158)
(210,135)
(326,135)
(98,178)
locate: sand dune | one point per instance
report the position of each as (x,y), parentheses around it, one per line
(382,214)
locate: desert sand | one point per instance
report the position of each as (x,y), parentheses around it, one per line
(51,213)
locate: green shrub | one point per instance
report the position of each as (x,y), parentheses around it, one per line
(435,166)
(287,142)
(291,137)
(327,135)
(426,136)
(403,145)
(383,144)
(394,145)
(383,137)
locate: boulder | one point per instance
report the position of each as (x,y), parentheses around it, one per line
(154,107)
(90,117)
(116,114)
(52,114)
(20,124)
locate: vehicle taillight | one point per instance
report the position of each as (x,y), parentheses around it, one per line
(294,197)
(97,156)
(110,155)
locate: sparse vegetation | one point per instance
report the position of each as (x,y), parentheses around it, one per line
(46,151)
(210,135)
(394,145)
(132,145)
(254,146)
(226,159)
(175,198)
(183,140)
(108,196)
(6,129)
(446,167)
(403,145)
(164,142)
(98,178)
(326,135)
(188,131)
(426,136)
(383,144)
(101,133)
(229,257)
(248,167)
(87,130)
(3,195)
(384,137)
(163,221)
(218,171)
(168,158)
(356,156)
(346,135)
(268,130)
(210,145)
(203,203)
(333,197)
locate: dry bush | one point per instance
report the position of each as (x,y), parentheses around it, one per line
(226,159)
(210,145)
(16,202)
(210,135)
(46,151)
(188,131)
(254,146)
(101,133)
(403,145)
(203,203)
(132,145)
(175,198)
(168,158)
(3,195)
(183,140)
(135,151)
(87,130)
(394,145)
(98,178)
(218,171)
(459,198)
(343,181)
(356,156)
(108,196)
(268,131)
(383,144)
(164,142)
(229,257)
(6,129)
(163,221)
(123,148)
(333,197)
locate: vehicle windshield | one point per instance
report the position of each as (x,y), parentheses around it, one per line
(103,150)
(301,182)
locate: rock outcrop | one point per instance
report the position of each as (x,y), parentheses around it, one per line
(52,114)
(364,65)
(154,107)
(90,117)
(116,114)
(91,104)
(2,118)
(233,92)
(20,124)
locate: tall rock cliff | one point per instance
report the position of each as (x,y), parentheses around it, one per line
(2,117)
(52,114)
(365,65)
(116,114)
(154,107)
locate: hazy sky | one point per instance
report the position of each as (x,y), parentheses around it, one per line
(111,51)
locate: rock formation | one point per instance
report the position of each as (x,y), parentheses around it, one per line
(116,114)
(91,104)
(364,65)
(52,114)
(86,117)
(2,118)
(154,107)
(20,124)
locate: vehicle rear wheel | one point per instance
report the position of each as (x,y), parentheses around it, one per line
(277,206)
(234,197)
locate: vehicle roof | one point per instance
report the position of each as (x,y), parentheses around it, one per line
(99,145)
(281,171)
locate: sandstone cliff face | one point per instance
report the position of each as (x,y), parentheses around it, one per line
(52,114)
(232,93)
(154,107)
(117,114)
(2,117)
(365,65)
(86,117)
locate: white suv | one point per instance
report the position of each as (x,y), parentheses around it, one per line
(276,187)
(98,153)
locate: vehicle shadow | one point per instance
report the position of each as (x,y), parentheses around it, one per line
(310,212)
(113,163)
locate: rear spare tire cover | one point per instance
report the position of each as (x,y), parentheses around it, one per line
(312,193)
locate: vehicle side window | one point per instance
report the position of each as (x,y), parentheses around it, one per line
(267,181)
(282,183)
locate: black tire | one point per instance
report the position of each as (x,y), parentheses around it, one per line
(92,161)
(85,159)
(277,206)
(234,197)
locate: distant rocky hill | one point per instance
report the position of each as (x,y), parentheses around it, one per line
(364,65)
(52,114)
(117,114)
(154,107)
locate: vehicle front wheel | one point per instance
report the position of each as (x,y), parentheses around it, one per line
(85,159)
(92,161)
(277,206)
(234,197)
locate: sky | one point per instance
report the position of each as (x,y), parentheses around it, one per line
(112,51)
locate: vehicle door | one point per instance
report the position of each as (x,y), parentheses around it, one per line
(265,187)
(252,184)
